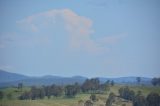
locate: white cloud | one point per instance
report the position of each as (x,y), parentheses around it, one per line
(79,29)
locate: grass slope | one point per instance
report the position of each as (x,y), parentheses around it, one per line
(62,101)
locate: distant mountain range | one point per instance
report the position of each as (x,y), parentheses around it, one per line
(8,76)
(12,79)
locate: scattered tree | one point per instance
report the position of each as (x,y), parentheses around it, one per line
(103,87)
(77,87)
(9,96)
(88,103)
(70,91)
(41,93)
(139,101)
(1,95)
(37,93)
(25,95)
(110,99)
(20,86)
(93,97)
(138,80)
(107,82)
(91,85)
(155,81)
(34,93)
(126,93)
(56,90)
(153,99)
(47,90)
(112,83)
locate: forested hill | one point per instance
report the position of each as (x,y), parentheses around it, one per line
(8,76)
(12,79)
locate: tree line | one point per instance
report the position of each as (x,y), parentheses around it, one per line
(156,81)
(92,85)
(48,91)
(138,99)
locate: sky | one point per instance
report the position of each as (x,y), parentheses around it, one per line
(92,38)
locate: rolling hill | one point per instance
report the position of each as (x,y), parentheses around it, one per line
(12,79)
(8,76)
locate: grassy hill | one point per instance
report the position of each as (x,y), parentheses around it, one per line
(63,101)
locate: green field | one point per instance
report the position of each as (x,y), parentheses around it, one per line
(63,101)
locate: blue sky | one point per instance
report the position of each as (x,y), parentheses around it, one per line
(107,38)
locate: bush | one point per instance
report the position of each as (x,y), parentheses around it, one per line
(153,99)
(25,95)
(139,101)
(70,91)
(80,102)
(93,97)
(126,93)
(88,103)
(9,96)
(110,99)
(1,95)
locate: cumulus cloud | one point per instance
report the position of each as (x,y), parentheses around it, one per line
(79,29)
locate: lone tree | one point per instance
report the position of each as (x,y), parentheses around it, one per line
(1,95)
(153,99)
(47,91)
(110,99)
(41,93)
(70,91)
(93,97)
(77,87)
(112,83)
(20,86)
(126,93)
(91,85)
(138,80)
(139,101)
(155,81)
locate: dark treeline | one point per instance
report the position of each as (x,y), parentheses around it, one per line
(41,92)
(89,86)
(138,99)
(1,95)
(156,81)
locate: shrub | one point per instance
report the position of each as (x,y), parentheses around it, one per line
(93,97)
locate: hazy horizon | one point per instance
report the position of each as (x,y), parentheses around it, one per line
(75,75)
(108,38)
